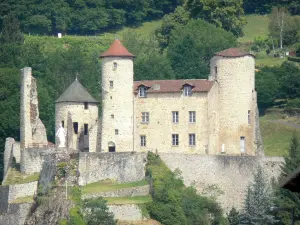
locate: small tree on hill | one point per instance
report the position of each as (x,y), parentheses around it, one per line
(233,217)
(258,202)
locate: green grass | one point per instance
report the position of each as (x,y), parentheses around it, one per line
(16,177)
(262,59)
(128,200)
(276,137)
(103,187)
(257,25)
(27,199)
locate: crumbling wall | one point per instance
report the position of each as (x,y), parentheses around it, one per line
(32,130)
(9,142)
(32,159)
(16,214)
(121,166)
(223,176)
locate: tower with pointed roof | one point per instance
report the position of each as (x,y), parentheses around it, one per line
(232,70)
(77,111)
(117,99)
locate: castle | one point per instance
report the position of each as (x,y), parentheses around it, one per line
(200,116)
(207,128)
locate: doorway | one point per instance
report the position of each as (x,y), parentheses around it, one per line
(242,143)
(111,147)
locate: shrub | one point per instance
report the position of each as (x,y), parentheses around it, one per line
(294,59)
(293,103)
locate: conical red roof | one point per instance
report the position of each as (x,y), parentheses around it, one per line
(115,50)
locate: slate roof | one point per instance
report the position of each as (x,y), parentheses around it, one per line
(233,52)
(116,49)
(76,93)
(171,86)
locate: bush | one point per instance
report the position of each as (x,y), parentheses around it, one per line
(294,59)
(173,203)
(293,103)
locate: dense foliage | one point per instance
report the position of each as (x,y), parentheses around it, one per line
(173,203)
(79,16)
(192,46)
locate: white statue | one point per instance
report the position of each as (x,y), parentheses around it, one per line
(61,134)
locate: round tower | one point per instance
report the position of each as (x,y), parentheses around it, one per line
(233,71)
(117,99)
(77,112)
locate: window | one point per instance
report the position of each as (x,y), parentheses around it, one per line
(145,117)
(86,129)
(192,139)
(142,92)
(175,116)
(187,90)
(111,84)
(63,123)
(242,143)
(249,116)
(175,139)
(143,140)
(112,116)
(75,126)
(115,66)
(116,132)
(216,71)
(192,116)
(86,105)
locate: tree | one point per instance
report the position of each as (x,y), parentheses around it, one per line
(169,22)
(278,23)
(149,64)
(285,198)
(258,202)
(192,46)
(95,212)
(233,217)
(227,14)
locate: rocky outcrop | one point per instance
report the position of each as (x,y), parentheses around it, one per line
(52,208)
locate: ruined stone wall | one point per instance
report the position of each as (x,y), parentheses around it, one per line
(82,116)
(121,167)
(22,190)
(235,76)
(117,104)
(226,177)
(16,214)
(160,128)
(8,154)
(128,212)
(32,130)
(32,159)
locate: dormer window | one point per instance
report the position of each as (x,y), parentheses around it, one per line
(187,90)
(142,92)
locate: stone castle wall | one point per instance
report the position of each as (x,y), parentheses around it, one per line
(117,104)
(226,177)
(160,128)
(128,212)
(32,159)
(121,167)
(82,116)
(15,214)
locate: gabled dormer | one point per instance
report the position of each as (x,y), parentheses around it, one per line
(142,91)
(187,89)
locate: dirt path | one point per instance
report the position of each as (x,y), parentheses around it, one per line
(294,125)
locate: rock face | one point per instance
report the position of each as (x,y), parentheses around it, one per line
(53,208)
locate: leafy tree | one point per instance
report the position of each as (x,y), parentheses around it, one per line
(226,14)
(38,24)
(11,40)
(258,202)
(192,46)
(149,64)
(96,212)
(179,18)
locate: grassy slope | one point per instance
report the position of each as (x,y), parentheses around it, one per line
(15,177)
(129,200)
(276,137)
(103,187)
(257,26)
